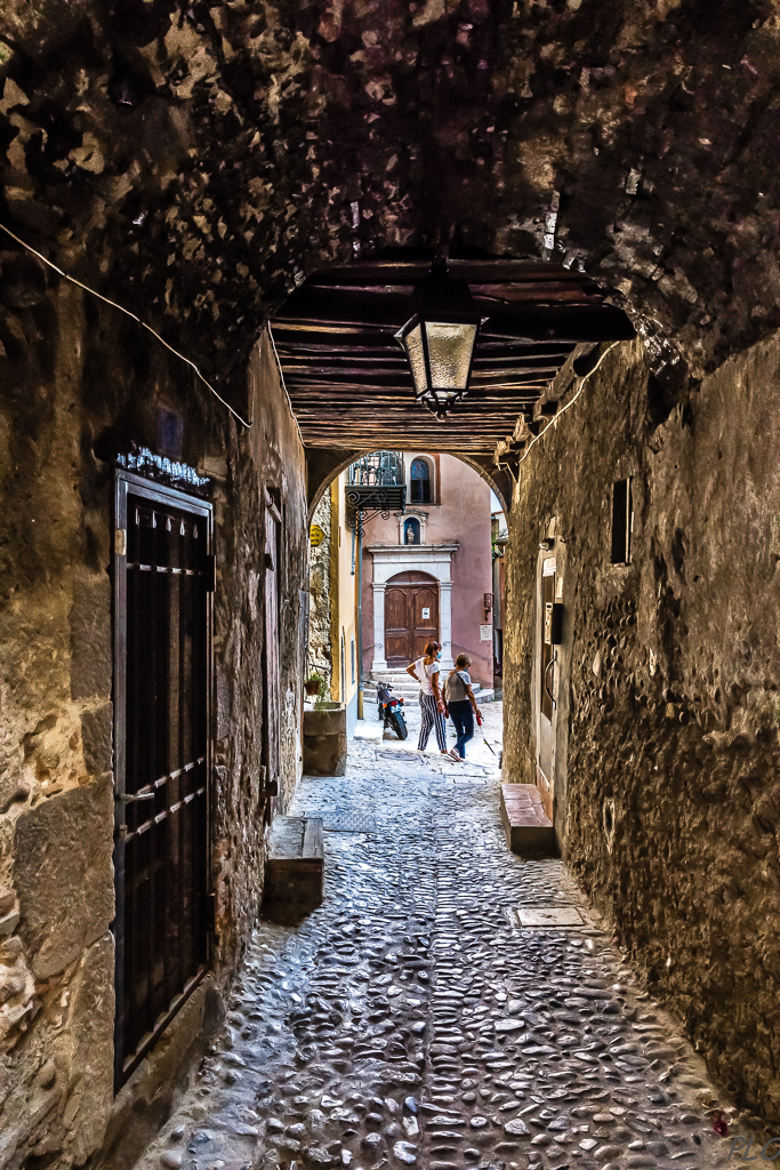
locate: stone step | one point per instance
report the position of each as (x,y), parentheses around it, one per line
(294,868)
(529,831)
(407,688)
(403,685)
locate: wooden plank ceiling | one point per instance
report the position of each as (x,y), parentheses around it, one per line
(348,379)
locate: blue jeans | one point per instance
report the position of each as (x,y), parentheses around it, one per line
(462,714)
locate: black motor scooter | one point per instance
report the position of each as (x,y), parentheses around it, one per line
(391,710)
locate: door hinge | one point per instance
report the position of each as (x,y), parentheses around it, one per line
(120,542)
(210,572)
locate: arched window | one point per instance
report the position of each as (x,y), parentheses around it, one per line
(421,481)
(411,531)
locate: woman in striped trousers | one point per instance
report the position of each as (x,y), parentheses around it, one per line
(433,710)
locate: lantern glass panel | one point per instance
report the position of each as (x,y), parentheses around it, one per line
(413,343)
(449,351)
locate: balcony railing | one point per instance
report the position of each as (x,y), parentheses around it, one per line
(375,487)
(379,469)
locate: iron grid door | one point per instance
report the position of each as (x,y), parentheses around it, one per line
(163,579)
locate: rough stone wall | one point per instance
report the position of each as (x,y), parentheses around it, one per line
(320,600)
(201,159)
(672,685)
(79,383)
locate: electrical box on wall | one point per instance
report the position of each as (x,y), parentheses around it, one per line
(553,623)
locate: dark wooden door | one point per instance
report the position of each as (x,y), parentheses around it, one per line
(162,708)
(411,620)
(273,675)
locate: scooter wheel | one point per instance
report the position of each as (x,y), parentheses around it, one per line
(399,725)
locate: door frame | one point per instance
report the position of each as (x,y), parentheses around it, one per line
(273,784)
(545,782)
(553,789)
(125,483)
(435,560)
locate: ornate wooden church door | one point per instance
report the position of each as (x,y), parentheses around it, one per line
(411,619)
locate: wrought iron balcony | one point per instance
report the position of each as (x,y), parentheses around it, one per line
(375,487)
(379,469)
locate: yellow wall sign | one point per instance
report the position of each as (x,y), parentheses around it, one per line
(316,535)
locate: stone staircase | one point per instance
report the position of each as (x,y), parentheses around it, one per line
(404,687)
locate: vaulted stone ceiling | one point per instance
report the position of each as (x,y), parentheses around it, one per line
(198,161)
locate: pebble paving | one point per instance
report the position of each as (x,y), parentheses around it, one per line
(411,1020)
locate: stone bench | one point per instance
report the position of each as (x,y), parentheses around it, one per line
(294,868)
(529,831)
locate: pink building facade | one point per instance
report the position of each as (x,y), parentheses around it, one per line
(427,572)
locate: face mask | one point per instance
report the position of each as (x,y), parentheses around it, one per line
(438,656)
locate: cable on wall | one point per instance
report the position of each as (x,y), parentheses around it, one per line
(93,292)
(571,402)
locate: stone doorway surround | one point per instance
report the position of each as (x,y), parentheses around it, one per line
(391,559)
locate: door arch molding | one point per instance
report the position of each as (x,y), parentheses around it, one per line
(433,561)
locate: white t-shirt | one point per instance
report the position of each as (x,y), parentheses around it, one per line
(424,674)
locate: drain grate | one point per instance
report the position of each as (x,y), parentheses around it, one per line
(347,823)
(549,916)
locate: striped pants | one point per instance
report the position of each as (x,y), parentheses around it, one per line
(431,718)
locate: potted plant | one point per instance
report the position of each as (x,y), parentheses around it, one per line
(315,685)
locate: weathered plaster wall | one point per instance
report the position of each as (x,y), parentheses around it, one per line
(320,600)
(672,681)
(345,624)
(77,384)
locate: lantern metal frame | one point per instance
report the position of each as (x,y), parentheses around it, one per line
(439,300)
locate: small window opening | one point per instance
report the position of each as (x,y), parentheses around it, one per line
(411,531)
(421,481)
(352,657)
(622,522)
(170,432)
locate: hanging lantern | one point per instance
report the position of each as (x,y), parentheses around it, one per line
(439,340)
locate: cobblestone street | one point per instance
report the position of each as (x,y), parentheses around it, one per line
(412,1020)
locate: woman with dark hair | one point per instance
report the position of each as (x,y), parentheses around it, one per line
(426,671)
(461,704)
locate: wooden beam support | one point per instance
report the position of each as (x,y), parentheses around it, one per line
(580,323)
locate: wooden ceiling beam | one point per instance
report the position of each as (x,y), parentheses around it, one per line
(388,367)
(428,443)
(413,271)
(378,385)
(393,422)
(574,323)
(503,347)
(392,360)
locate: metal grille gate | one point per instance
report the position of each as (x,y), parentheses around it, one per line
(162,695)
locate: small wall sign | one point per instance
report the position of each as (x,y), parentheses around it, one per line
(486,633)
(426,614)
(316,536)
